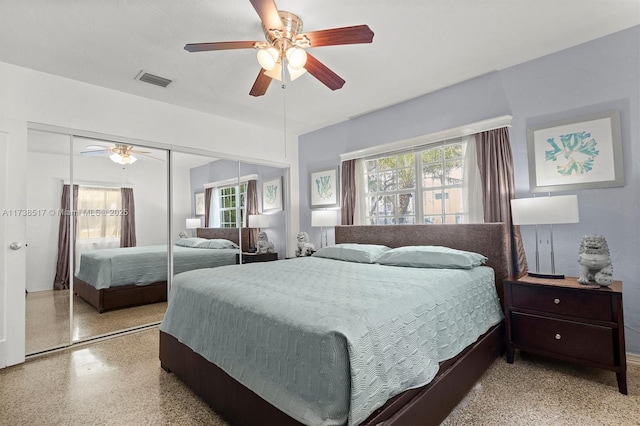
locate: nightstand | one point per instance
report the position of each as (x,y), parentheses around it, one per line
(256,257)
(567,320)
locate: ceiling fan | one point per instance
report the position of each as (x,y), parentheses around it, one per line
(120,153)
(286,45)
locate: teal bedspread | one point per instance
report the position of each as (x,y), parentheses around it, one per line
(145,265)
(327,341)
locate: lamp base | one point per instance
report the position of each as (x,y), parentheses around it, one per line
(547,276)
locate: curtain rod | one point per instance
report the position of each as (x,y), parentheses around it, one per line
(231,181)
(99,184)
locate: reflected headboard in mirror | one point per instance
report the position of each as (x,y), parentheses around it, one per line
(230,234)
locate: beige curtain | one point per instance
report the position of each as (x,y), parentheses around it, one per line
(128,221)
(252,208)
(496,170)
(348,191)
(208,192)
(61,280)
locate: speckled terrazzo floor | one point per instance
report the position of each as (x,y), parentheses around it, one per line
(120,382)
(47,319)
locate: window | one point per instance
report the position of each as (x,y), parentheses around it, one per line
(229,206)
(98,216)
(395,196)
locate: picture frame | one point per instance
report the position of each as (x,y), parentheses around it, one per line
(198,198)
(573,154)
(272,195)
(325,188)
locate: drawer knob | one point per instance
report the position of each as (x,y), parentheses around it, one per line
(556,301)
(558,337)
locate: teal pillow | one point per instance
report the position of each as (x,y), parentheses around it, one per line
(360,253)
(431,257)
(217,243)
(190,241)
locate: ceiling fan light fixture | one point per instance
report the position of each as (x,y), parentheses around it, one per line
(296,57)
(122,159)
(295,72)
(275,72)
(267,58)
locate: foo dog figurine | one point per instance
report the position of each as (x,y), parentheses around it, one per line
(305,248)
(264,245)
(594,260)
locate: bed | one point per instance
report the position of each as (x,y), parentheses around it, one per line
(135,276)
(244,395)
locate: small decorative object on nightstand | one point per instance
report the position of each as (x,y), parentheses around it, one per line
(264,245)
(304,246)
(256,257)
(567,320)
(595,261)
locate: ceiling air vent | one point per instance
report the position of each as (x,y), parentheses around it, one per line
(153,79)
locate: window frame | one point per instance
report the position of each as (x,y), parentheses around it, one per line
(105,211)
(238,208)
(419,188)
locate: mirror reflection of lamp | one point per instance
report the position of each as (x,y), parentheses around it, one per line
(324,219)
(193,224)
(258,221)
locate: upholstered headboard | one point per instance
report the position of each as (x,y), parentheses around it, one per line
(489,239)
(230,234)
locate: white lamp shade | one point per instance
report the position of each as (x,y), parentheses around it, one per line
(259,221)
(193,223)
(267,58)
(276,72)
(295,73)
(296,57)
(123,159)
(324,218)
(545,210)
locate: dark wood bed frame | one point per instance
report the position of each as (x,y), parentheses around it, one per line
(428,405)
(127,296)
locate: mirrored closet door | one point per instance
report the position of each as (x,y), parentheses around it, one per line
(121,255)
(97,256)
(48,310)
(206,203)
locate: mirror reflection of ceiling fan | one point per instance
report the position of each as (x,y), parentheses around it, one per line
(285,48)
(120,153)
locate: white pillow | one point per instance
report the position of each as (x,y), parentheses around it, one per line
(431,257)
(360,253)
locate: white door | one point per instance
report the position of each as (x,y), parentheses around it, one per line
(13,162)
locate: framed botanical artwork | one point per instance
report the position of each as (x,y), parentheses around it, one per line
(325,188)
(576,154)
(199,203)
(272,195)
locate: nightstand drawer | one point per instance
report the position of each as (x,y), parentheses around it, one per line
(586,341)
(578,303)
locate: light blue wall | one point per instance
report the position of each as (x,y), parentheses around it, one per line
(596,76)
(221,170)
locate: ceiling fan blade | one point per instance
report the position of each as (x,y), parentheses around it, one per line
(95,153)
(261,84)
(345,35)
(320,71)
(268,13)
(221,45)
(149,156)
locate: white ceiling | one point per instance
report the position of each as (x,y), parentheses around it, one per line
(419,46)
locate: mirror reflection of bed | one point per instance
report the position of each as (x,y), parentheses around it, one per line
(101,187)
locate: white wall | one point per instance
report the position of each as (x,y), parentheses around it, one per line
(182,199)
(32,96)
(45,174)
